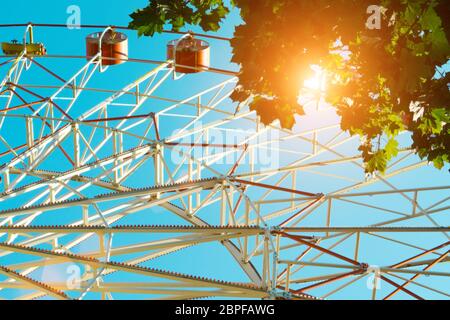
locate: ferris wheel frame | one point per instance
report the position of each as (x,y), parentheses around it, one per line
(242,226)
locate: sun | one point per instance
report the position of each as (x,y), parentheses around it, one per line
(316,84)
(313,89)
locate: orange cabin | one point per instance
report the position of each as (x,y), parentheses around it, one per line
(191,55)
(114,47)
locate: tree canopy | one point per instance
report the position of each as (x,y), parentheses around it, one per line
(383,64)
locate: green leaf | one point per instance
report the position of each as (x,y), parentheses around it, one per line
(377,162)
(391,149)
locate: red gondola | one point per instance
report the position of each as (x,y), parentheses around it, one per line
(114,47)
(191,55)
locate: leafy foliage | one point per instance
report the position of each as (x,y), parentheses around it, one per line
(179,13)
(382,81)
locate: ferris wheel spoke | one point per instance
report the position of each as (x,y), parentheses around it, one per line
(30,283)
(429,266)
(135,269)
(61,134)
(440,292)
(14,73)
(121,159)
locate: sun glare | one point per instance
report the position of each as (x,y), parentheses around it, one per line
(317,82)
(313,88)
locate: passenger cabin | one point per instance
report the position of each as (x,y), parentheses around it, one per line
(114,47)
(190,55)
(14,48)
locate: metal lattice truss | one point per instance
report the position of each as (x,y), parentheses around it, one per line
(137,188)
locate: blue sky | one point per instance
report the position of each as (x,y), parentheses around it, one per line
(219,264)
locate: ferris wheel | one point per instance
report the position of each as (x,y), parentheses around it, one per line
(163,188)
